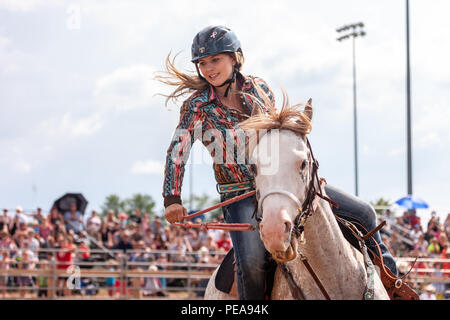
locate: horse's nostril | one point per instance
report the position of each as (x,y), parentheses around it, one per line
(287,227)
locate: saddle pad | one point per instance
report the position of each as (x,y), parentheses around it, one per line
(225,274)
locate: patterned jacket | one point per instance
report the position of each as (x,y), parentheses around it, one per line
(204,117)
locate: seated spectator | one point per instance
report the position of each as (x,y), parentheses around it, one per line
(5,220)
(105,237)
(110,220)
(6,242)
(387,242)
(148,237)
(94,223)
(210,244)
(123,219)
(145,223)
(421,244)
(33,242)
(111,281)
(446,223)
(20,212)
(64,259)
(416,232)
(225,241)
(405,219)
(14,225)
(157,227)
(124,242)
(433,248)
(446,264)
(420,266)
(430,233)
(85,251)
(73,218)
(19,239)
(413,219)
(45,229)
(442,241)
(56,222)
(192,236)
(134,232)
(42,280)
(429,293)
(25,281)
(152,285)
(22,230)
(38,216)
(136,217)
(159,242)
(5,262)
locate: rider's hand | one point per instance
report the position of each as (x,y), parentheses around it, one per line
(175,213)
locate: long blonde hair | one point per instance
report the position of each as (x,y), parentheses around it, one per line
(186,83)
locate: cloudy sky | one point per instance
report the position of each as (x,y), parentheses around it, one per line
(78,110)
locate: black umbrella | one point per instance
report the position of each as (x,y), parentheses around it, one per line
(63,203)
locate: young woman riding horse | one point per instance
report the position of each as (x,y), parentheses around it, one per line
(222,97)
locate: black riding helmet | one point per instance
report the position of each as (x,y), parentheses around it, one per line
(213,40)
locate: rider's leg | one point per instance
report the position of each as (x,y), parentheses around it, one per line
(354,209)
(250,253)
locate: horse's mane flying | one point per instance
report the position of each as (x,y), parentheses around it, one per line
(289,117)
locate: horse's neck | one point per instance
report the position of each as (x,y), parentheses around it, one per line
(331,257)
(323,234)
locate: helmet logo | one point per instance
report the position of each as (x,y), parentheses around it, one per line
(201,50)
(214,34)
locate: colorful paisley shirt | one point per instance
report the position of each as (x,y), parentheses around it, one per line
(204,117)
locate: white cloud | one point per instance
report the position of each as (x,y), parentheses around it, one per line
(22,166)
(67,125)
(431,125)
(26,5)
(127,88)
(147,167)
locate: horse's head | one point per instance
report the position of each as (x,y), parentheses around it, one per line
(284,171)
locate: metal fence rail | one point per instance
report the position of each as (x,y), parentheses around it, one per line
(124,279)
(129,276)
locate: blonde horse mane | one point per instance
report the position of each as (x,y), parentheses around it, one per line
(289,117)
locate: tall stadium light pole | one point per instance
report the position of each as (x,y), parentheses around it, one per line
(353,31)
(408,103)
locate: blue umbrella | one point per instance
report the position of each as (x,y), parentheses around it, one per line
(411,202)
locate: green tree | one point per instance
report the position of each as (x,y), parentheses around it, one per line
(112,202)
(140,201)
(380,202)
(203,202)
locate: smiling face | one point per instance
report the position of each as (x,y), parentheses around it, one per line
(278,209)
(217,69)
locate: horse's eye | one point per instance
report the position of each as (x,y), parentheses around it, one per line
(304,163)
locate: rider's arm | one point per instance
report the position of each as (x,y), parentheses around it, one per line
(178,153)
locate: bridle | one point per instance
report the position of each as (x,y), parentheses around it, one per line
(307,208)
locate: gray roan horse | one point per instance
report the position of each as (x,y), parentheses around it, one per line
(340,268)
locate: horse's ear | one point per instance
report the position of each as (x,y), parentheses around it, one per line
(308,111)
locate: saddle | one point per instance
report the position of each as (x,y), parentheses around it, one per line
(226,277)
(396,288)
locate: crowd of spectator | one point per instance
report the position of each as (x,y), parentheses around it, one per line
(64,238)
(406,237)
